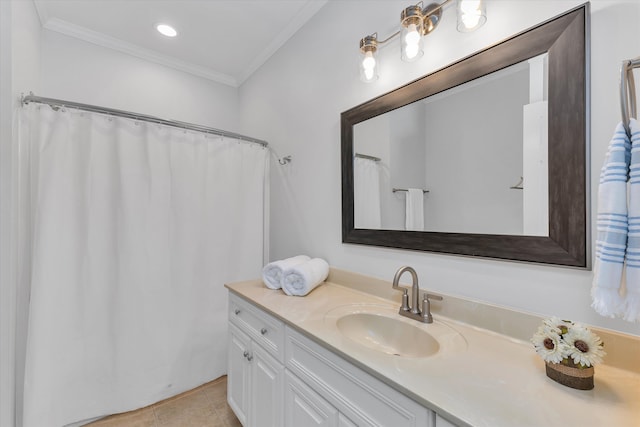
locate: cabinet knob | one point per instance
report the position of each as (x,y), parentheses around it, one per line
(237,311)
(245,354)
(250,358)
(263,331)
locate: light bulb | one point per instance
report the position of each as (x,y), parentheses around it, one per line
(470,5)
(412,37)
(471,19)
(411,50)
(369,62)
(471,15)
(368,74)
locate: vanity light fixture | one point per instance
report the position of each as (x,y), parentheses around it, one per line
(166,30)
(369,63)
(417,21)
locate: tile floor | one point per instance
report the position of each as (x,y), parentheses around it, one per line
(205,406)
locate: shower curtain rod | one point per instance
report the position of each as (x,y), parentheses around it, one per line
(128,114)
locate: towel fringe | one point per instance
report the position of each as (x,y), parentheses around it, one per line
(606,301)
(630,307)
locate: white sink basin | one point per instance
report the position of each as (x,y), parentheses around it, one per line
(388,335)
(381,328)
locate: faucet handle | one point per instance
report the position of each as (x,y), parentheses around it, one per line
(426,306)
(405,300)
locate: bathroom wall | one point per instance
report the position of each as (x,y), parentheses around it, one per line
(19,72)
(294,101)
(79,71)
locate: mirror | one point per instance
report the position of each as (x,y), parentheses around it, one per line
(463,168)
(404,149)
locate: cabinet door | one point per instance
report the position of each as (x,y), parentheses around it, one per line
(238,373)
(304,407)
(267,389)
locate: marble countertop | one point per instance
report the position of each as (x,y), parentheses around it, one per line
(493,380)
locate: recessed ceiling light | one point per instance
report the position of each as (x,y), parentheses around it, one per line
(166,30)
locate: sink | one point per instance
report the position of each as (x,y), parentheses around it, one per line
(388,335)
(379,327)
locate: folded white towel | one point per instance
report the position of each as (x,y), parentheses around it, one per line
(301,279)
(272,272)
(414,209)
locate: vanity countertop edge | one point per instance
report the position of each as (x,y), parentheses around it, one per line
(496,381)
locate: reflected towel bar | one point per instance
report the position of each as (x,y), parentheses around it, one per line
(365,156)
(395,190)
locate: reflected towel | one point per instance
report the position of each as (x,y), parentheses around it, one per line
(630,308)
(612,223)
(272,272)
(303,278)
(414,201)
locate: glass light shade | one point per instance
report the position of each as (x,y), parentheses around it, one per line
(368,66)
(411,31)
(472,14)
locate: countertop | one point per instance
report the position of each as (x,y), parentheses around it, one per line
(493,380)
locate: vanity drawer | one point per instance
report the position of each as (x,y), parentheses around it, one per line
(365,400)
(264,329)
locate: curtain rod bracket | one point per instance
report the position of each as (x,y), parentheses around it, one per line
(284,160)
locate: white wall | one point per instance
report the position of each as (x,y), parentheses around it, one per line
(294,101)
(75,70)
(19,72)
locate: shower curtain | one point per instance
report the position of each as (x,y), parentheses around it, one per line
(135,229)
(366,200)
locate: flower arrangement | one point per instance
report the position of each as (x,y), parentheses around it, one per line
(568,343)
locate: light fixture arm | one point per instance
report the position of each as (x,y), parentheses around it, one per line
(427,12)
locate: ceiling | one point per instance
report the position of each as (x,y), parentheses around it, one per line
(221,40)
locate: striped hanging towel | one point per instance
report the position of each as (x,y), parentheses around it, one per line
(630,308)
(612,220)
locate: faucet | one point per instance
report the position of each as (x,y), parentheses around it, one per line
(413,311)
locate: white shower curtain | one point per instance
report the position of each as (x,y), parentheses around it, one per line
(366,193)
(136,227)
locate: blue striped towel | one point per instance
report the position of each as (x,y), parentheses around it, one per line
(630,309)
(612,223)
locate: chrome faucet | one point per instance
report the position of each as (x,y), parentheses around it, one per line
(413,311)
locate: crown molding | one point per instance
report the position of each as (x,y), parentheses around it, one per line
(72,30)
(100,39)
(302,17)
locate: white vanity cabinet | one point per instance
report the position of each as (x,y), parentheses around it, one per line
(255,374)
(355,397)
(279,377)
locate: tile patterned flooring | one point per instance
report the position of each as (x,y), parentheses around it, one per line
(205,406)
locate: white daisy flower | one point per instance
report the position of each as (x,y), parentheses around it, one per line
(585,347)
(562,326)
(549,344)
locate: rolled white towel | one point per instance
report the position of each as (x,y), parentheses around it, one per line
(272,272)
(301,279)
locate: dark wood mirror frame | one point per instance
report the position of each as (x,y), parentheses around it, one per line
(565,39)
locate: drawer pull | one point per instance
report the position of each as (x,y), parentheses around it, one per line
(263,331)
(237,311)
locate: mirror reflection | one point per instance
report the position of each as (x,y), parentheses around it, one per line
(472,159)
